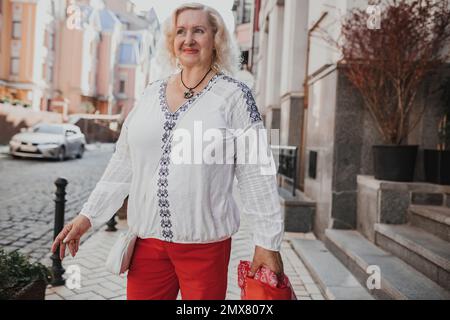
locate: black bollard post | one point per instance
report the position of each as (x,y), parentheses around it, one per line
(111,224)
(60,201)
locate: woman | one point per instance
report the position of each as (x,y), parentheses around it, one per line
(184,212)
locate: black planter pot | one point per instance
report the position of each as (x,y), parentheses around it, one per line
(394,162)
(33,291)
(437,166)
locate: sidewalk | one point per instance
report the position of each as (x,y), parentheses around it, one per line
(97,283)
(4,150)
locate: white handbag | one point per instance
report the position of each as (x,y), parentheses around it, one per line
(120,255)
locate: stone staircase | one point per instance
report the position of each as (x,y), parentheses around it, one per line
(412,259)
(423,243)
(399,280)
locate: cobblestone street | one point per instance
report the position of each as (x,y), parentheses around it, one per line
(27,206)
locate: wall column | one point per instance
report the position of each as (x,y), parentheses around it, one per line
(292,113)
(275,42)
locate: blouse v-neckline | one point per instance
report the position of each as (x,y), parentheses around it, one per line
(188,102)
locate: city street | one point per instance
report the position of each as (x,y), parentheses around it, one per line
(27,218)
(360,177)
(27,206)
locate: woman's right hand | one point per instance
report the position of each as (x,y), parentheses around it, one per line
(70,236)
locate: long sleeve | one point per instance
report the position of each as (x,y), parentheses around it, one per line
(256,179)
(114,185)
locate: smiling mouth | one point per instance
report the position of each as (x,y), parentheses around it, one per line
(190,51)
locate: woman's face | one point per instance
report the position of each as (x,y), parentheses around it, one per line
(194,39)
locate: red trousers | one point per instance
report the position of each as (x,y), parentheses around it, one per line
(159,269)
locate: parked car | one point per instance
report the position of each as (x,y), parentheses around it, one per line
(56,141)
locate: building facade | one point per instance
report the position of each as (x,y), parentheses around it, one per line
(28,56)
(301,91)
(87,56)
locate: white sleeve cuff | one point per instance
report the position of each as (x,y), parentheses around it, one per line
(89,217)
(272,243)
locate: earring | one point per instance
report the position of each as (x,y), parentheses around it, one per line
(216,67)
(178,64)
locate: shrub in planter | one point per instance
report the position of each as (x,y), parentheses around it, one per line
(388,65)
(20,279)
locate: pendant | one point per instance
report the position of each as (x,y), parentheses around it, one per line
(188,94)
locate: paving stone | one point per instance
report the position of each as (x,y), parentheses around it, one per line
(63,291)
(312,289)
(95,296)
(105,292)
(111,286)
(302,293)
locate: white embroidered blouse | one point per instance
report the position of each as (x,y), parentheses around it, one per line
(189,202)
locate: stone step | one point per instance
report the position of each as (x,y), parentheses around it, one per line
(334,280)
(420,249)
(398,279)
(298,211)
(434,219)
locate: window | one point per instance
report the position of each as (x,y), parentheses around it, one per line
(50,73)
(52,41)
(14,66)
(243,11)
(122,86)
(244,56)
(247,11)
(16,30)
(15,49)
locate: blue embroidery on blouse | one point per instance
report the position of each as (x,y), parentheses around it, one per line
(255,116)
(169,124)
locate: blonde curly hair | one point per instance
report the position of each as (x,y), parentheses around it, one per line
(227,55)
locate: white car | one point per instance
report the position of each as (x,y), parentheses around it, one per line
(56,141)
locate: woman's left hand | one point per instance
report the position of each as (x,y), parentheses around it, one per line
(268,258)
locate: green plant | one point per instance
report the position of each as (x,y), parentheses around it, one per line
(444,123)
(16,271)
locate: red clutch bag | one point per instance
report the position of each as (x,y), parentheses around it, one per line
(265,284)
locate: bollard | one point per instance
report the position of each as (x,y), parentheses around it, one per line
(60,201)
(111,224)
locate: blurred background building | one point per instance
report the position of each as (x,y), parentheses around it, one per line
(75,56)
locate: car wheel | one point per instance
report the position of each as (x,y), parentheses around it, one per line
(80,152)
(62,154)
